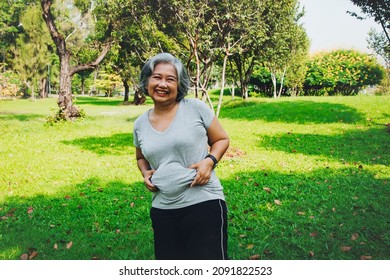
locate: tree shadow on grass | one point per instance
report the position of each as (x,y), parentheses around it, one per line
(301,112)
(94,220)
(5,116)
(368,146)
(299,213)
(116,144)
(309,215)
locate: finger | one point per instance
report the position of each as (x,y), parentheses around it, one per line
(153,189)
(195,181)
(193,166)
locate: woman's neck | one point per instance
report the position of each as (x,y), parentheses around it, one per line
(163,109)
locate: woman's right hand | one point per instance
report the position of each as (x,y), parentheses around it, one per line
(148,183)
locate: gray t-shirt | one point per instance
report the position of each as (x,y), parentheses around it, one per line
(172,151)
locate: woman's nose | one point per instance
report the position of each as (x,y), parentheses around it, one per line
(163,83)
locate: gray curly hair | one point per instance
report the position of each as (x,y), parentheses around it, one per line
(182,76)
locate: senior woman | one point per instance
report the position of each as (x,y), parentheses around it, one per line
(178,144)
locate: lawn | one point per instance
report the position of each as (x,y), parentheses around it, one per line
(304,178)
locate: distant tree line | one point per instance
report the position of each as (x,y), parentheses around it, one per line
(87,46)
(339,72)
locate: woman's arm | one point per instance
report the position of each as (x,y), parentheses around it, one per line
(144,167)
(219,142)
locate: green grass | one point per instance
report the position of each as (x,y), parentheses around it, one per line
(305,178)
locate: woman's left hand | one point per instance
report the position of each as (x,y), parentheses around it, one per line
(203,172)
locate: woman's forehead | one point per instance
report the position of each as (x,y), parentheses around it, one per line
(165,68)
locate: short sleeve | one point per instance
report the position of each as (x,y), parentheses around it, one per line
(135,138)
(206,114)
(136,130)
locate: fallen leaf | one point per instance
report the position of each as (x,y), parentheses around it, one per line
(313,234)
(30,210)
(268,190)
(33,255)
(68,245)
(345,248)
(132,204)
(242,235)
(365,257)
(333,209)
(311,254)
(11,212)
(354,236)
(301,213)
(55,246)
(255,257)
(250,246)
(24,257)
(67,197)
(277,202)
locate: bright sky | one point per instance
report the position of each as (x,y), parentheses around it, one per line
(329,27)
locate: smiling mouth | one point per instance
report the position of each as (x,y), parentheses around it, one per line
(162,92)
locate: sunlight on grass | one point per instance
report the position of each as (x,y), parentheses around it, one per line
(303,178)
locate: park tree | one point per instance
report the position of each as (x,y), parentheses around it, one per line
(10,28)
(67,109)
(271,42)
(190,24)
(378,43)
(138,39)
(376,9)
(231,24)
(241,63)
(287,45)
(299,55)
(32,51)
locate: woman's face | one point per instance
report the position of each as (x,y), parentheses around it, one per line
(163,83)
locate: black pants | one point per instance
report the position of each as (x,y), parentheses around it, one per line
(196,232)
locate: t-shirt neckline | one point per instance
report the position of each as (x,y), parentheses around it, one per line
(170,125)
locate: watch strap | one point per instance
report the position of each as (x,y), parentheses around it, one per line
(213,159)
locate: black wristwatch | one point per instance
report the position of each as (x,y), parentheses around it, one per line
(214,160)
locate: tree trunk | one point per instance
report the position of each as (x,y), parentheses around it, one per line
(65,103)
(281,81)
(139,97)
(222,85)
(65,98)
(127,90)
(43,88)
(273,78)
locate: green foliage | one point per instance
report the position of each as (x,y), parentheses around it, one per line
(10,84)
(376,9)
(343,72)
(32,55)
(108,83)
(10,28)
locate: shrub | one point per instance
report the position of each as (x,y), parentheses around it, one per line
(9,85)
(343,72)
